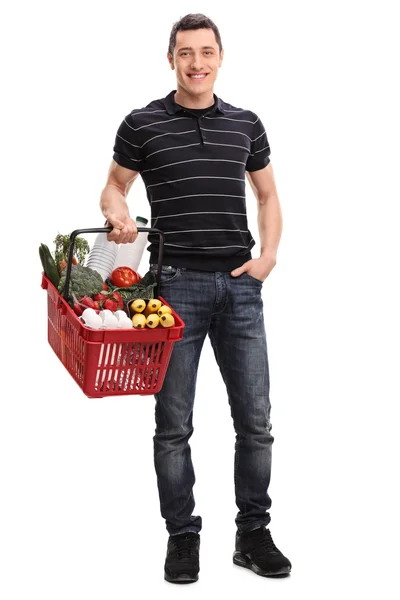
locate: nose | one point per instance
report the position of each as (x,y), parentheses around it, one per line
(196,63)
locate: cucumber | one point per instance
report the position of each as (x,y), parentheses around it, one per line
(49,265)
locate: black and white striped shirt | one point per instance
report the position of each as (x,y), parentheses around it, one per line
(193,168)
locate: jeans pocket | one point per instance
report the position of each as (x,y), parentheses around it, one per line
(168,273)
(251,278)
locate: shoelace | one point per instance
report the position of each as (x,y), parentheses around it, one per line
(182,547)
(266,542)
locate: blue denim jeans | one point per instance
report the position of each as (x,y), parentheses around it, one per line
(230,310)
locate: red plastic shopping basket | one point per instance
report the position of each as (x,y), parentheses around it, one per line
(109,362)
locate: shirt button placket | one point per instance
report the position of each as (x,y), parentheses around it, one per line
(204,136)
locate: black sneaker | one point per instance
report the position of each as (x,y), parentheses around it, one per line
(182,562)
(255,550)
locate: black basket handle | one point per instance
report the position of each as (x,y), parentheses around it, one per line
(77,232)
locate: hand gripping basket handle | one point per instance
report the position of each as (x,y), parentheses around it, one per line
(77,232)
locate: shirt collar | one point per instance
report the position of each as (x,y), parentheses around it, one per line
(173,108)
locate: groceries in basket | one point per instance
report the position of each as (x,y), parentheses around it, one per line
(111,340)
(152,313)
(105,319)
(54,264)
(84,281)
(125,300)
(141,313)
(143,289)
(87,291)
(62,244)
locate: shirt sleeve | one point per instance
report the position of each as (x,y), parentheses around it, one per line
(127,148)
(260,150)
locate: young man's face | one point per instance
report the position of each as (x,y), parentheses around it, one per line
(196,60)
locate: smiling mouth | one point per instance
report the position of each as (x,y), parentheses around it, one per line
(197,76)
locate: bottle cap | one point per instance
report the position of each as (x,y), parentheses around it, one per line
(142,220)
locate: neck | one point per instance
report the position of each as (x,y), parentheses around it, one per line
(187,100)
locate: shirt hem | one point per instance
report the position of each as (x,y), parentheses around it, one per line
(201,264)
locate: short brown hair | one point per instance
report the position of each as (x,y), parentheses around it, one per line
(192,21)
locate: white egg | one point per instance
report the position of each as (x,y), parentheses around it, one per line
(88,311)
(110,321)
(121,314)
(120,324)
(93,321)
(105,312)
(125,323)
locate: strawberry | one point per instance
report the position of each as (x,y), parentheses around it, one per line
(77,309)
(87,301)
(110,305)
(117,298)
(100,297)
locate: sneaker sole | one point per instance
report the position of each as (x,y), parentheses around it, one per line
(181,578)
(241,560)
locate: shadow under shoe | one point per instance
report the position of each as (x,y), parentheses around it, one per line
(182,561)
(256,550)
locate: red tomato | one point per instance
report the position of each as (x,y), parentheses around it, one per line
(124,277)
(105,286)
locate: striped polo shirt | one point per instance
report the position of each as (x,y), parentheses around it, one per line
(193,167)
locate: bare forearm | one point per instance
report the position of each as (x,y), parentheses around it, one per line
(269,225)
(113,202)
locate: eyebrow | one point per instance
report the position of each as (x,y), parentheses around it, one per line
(203,48)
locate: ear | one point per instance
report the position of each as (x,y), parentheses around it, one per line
(171,60)
(221,57)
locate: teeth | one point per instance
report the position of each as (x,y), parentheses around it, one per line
(197,76)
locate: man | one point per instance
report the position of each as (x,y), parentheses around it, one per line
(193,151)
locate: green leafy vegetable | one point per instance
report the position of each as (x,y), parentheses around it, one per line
(62,243)
(84,281)
(143,289)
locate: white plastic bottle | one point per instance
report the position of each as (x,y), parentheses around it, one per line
(130,255)
(102,256)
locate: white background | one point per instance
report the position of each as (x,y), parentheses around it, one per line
(80,516)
